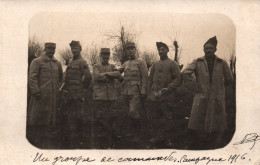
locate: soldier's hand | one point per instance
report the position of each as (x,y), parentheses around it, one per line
(165,91)
(37,96)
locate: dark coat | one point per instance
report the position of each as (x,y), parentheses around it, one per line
(44,78)
(208,111)
(77,78)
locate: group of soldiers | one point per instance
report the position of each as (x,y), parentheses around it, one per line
(159,87)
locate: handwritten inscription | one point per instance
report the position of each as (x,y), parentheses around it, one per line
(249,138)
(40,158)
(172,157)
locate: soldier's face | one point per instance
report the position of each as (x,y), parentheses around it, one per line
(209,49)
(130,51)
(49,51)
(105,57)
(76,50)
(163,51)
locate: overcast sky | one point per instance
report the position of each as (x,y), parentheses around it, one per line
(190,30)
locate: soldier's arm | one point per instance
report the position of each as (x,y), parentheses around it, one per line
(33,77)
(188,71)
(114,73)
(97,75)
(150,79)
(176,75)
(144,77)
(60,72)
(86,72)
(228,76)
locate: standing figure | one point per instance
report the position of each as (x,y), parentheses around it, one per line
(44,81)
(77,80)
(208,115)
(104,96)
(164,78)
(134,88)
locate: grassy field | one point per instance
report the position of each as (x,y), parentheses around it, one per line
(177,134)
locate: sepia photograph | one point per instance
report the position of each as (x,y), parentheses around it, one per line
(134,80)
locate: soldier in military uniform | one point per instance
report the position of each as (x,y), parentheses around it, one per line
(44,81)
(208,121)
(134,87)
(105,94)
(77,80)
(164,78)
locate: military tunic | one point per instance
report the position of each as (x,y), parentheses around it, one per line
(104,88)
(104,96)
(135,83)
(77,80)
(164,74)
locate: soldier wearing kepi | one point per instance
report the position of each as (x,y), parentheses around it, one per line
(105,94)
(208,115)
(44,81)
(134,87)
(164,78)
(77,80)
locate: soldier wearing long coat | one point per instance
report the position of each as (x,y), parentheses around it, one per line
(212,75)
(104,96)
(44,81)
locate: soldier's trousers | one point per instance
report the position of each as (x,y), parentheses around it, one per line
(105,122)
(136,117)
(74,120)
(134,104)
(161,120)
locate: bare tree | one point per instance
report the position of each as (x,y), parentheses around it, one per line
(149,58)
(178,42)
(93,56)
(35,48)
(122,37)
(66,55)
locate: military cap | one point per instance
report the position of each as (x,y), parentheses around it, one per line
(161,44)
(50,44)
(105,50)
(130,44)
(213,41)
(74,43)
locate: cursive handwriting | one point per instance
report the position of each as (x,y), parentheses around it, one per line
(76,159)
(39,158)
(171,157)
(249,138)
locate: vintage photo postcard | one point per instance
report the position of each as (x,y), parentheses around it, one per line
(147,82)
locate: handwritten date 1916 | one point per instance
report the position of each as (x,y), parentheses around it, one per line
(249,138)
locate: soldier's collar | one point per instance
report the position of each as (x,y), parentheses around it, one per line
(165,58)
(132,58)
(204,58)
(46,58)
(104,63)
(79,56)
